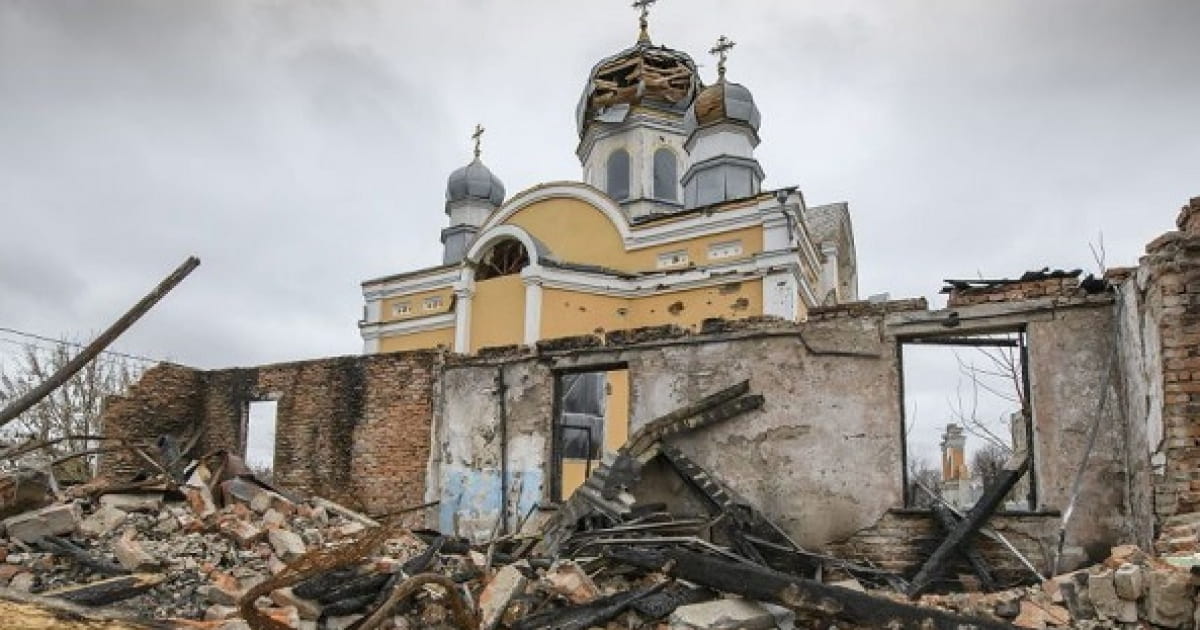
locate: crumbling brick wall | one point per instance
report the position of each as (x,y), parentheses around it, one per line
(353,429)
(167,399)
(1169,283)
(1060,286)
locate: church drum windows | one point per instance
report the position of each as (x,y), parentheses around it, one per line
(617,180)
(666,175)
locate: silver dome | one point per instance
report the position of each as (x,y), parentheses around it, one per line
(475,181)
(723,101)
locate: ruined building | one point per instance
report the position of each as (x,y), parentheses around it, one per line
(569,316)
(669,225)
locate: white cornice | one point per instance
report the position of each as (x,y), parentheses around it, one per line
(421,324)
(407,286)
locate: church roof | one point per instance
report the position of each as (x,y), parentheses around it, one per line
(475,181)
(642,73)
(723,101)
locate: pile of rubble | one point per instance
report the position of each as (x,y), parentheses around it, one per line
(209,545)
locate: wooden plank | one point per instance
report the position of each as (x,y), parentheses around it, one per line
(948,522)
(983,509)
(107,591)
(812,601)
(93,349)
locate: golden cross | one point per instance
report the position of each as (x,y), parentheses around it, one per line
(721,50)
(644,19)
(476,136)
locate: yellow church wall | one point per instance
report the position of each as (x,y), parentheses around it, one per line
(498,312)
(416,303)
(568,313)
(575,231)
(688,309)
(418,340)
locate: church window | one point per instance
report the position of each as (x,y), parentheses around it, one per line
(666,175)
(725,249)
(673,259)
(618,175)
(401,308)
(433,303)
(506,258)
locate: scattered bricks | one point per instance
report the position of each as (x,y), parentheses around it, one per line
(306,608)
(1103,593)
(8,572)
(506,584)
(1124,554)
(102,521)
(22,582)
(217,612)
(1034,615)
(200,500)
(1128,582)
(149,503)
(223,589)
(567,579)
(1169,600)
(132,556)
(288,616)
(55,520)
(273,519)
(288,546)
(244,533)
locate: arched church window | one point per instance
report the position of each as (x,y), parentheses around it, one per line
(666,175)
(618,175)
(505,258)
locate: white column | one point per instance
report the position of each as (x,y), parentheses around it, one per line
(462,318)
(829,270)
(531,276)
(779,295)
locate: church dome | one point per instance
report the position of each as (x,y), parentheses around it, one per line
(475,181)
(641,74)
(721,102)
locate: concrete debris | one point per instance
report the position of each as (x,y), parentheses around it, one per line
(54,520)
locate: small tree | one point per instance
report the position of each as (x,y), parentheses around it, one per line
(73,410)
(923,478)
(988,462)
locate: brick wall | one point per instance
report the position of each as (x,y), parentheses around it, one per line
(167,399)
(1064,286)
(1172,268)
(903,539)
(353,429)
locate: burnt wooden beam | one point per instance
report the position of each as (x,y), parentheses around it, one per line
(948,522)
(584,616)
(93,349)
(107,591)
(62,547)
(974,519)
(810,600)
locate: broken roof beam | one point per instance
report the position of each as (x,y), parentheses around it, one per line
(809,599)
(975,518)
(93,349)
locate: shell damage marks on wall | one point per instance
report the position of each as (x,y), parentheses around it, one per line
(353,429)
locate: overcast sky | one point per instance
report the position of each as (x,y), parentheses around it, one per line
(299,148)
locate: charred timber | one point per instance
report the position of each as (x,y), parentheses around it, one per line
(809,599)
(974,519)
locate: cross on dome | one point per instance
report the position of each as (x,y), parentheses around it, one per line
(643,19)
(721,50)
(476,136)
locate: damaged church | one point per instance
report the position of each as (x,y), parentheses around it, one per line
(668,337)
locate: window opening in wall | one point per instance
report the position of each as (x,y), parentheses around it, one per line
(617,181)
(401,308)
(260,437)
(726,249)
(666,177)
(591,418)
(433,303)
(673,259)
(966,413)
(506,258)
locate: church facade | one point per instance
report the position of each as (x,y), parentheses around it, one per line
(669,225)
